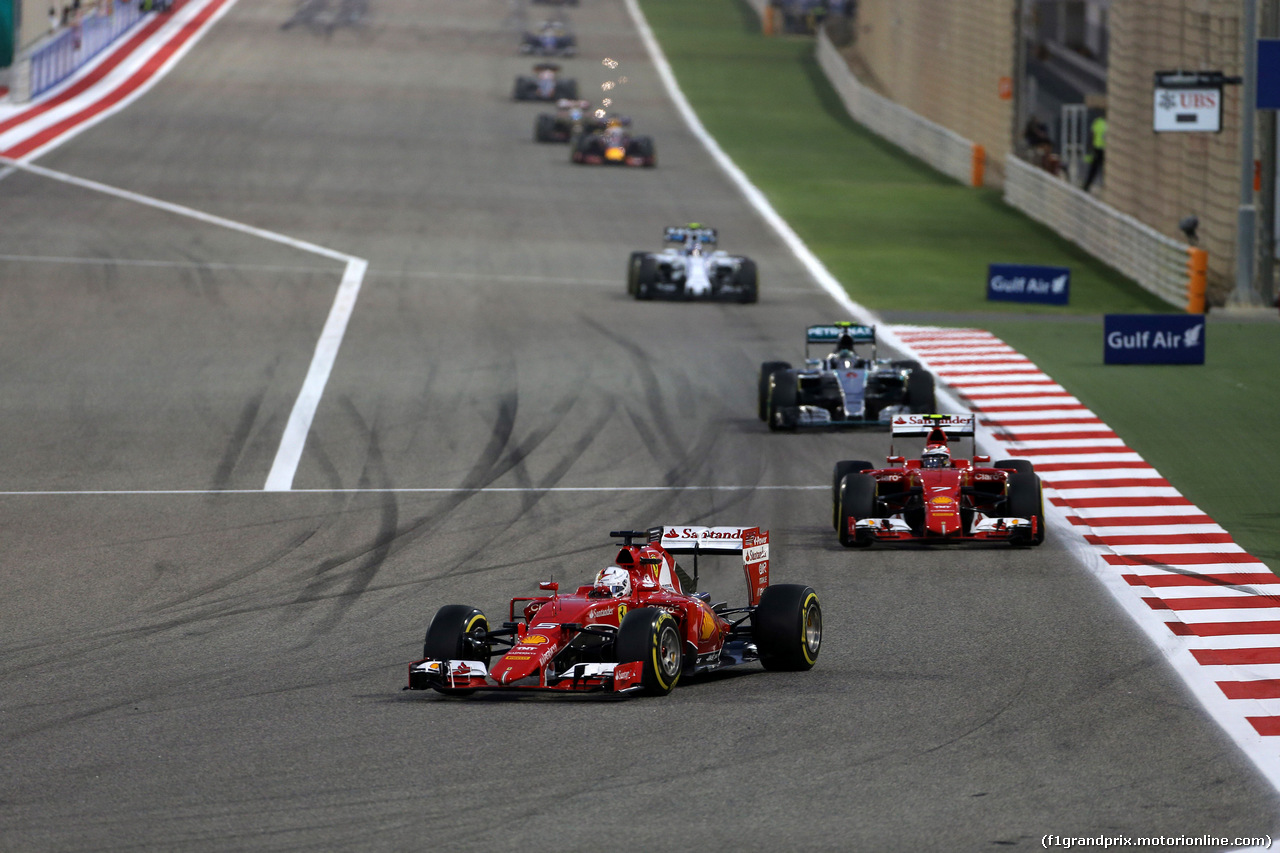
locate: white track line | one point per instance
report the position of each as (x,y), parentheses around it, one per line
(296,430)
(304,408)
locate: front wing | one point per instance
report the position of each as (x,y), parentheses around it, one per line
(983,529)
(816,416)
(671,290)
(460,675)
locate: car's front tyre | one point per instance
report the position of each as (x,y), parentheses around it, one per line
(652,637)
(457,632)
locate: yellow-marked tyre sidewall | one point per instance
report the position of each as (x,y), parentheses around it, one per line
(663,680)
(780,627)
(640,641)
(810,603)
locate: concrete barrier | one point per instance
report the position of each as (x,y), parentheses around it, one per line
(941,148)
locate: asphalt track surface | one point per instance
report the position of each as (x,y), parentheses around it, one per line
(191,663)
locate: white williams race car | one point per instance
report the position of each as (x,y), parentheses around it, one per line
(693,270)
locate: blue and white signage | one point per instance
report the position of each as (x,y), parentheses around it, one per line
(1154,339)
(1019,283)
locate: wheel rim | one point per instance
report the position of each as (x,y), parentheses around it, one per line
(669,651)
(812,629)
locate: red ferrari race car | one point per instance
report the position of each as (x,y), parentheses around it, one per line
(637,628)
(937,499)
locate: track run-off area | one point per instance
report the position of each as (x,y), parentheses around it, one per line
(305,337)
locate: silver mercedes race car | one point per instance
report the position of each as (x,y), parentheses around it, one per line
(693,269)
(843,388)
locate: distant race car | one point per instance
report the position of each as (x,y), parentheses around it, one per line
(545,85)
(802,16)
(637,628)
(694,269)
(571,118)
(844,388)
(937,499)
(615,146)
(552,38)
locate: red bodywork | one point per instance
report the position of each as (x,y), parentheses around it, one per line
(941,512)
(949,500)
(547,626)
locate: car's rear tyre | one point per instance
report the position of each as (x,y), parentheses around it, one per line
(920,392)
(646,278)
(457,632)
(748,282)
(567,90)
(525,87)
(784,406)
(843,468)
(856,498)
(544,128)
(633,271)
(1026,500)
(787,627)
(652,637)
(762,385)
(1022,465)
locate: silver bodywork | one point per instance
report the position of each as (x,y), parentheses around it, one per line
(852,376)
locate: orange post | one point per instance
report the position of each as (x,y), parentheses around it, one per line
(766,20)
(1197,279)
(979,165)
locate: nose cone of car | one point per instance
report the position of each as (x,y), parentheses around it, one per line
(525,659)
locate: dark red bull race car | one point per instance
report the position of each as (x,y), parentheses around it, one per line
(937,499)
(614,146)
(638,627)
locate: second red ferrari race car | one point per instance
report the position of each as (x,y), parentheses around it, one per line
(637,628)
(937,499)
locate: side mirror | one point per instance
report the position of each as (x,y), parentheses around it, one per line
(549,586)
(981,458)
(896,460)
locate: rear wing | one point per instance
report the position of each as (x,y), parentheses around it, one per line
(955,426)
(952,426)
(683,233)
(830,334)
(751,542)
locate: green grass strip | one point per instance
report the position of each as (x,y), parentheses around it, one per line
(902,237)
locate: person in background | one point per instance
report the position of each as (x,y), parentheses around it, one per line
(1098,132)
(1040,142)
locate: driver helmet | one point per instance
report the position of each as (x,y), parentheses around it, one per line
(615,580)
(845,343)
(936,456)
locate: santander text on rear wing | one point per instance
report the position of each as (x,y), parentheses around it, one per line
(751,542)
(955,426)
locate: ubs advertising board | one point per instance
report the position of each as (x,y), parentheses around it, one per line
(1021,283)
(1153,339)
